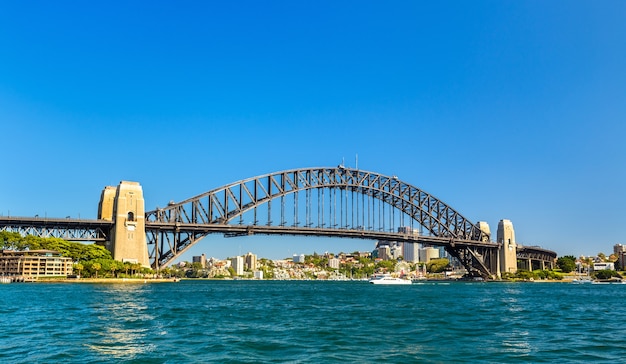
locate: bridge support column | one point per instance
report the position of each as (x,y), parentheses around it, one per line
(508,248)
(124,205)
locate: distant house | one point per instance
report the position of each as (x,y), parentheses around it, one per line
(35,263)
(603,266)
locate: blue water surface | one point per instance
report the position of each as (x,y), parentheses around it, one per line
(311,322)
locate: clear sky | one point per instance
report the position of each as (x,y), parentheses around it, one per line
(501,109)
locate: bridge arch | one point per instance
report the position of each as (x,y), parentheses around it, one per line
(173,229)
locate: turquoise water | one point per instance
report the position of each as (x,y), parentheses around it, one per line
(312,322)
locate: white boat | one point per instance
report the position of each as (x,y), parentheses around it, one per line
(4,279)
(389,280)
(608,281)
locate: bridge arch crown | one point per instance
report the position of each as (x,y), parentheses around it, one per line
(309,199)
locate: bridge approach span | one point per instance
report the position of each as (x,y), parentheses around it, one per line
(67,228)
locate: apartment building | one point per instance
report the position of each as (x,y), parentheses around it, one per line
(34,263)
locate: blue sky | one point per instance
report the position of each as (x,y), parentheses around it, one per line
(502,109)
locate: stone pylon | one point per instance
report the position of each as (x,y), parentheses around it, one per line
(508,249)
(124,206)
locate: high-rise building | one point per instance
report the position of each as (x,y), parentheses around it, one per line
(298,258)
(427,254)
(384,252)
(237,264)
(620,251)
(200,259)
(250,261)
(508,248)
(411,252)
(395,250)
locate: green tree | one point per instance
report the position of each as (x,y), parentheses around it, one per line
(525,275)
(135,267)
(605,274)
(10,240)
(566,263)
(316,260)
(78,267)
(387,265)
(96,267)
(76,251)
(127,267)
(115,266)
(437,265)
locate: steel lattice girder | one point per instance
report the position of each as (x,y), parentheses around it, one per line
(68,229)
(222,205)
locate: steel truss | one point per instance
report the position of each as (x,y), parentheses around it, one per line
(67,229)
(337,202)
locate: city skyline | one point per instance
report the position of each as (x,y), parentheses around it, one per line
(513,112)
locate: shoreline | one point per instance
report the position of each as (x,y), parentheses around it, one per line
(106,280)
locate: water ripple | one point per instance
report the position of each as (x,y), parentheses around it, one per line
(310,322)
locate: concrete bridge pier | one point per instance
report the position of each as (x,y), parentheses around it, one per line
(124,206)
(508,247)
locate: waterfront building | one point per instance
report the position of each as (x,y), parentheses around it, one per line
(237,264)
(35,263)
(508,248)
(603,266)
(250,261)
(427,254)
(258,274)
(200,259)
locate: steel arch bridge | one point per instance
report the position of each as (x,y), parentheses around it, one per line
(335,201)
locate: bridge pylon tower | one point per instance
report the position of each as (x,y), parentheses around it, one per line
(124,206)
(508,247)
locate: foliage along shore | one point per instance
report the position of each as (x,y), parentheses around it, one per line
(106,280)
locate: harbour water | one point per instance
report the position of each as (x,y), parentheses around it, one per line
(312,322)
